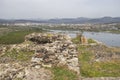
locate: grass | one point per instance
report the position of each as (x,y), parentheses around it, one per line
(62,73)
(18,79)
(90,68)
(77,40)
(16,36)
(19,55)
(114,31)
(100,69)
(91,41)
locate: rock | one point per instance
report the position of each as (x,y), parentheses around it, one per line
(37,66)
(12,72)
(37,60)
(47,65)
(9,71)
(84,40)
(57,49)
(73,64)
(20,75)
(35,74)
(71,46)
(62,60)
(49,50)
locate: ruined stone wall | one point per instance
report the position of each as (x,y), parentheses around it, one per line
(54,50)
(50,50)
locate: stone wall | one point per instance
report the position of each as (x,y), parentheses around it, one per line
(50,50)
(54,50)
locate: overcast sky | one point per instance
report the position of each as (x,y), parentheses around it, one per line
(45,9)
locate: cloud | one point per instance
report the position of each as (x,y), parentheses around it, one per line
(58,8)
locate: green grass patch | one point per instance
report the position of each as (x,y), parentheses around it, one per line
(90,68)
(100,69)
(62,73)
(91,41)
(76,40)
(19,55)
(16,36)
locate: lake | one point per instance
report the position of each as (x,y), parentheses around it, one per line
(109,39)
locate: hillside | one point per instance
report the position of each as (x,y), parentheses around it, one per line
(80,20)
(49,56)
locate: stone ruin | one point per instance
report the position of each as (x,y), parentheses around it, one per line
(49,49)
(54,50)
(82,38)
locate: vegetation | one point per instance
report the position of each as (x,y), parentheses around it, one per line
(88,67)
(114,31)
(76,40)
(18,55)
(91,68)
(91,41)
(62,73)
(16,36)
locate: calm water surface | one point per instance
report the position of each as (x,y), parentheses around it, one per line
(109,39)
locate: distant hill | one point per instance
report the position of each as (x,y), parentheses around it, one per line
(80,20)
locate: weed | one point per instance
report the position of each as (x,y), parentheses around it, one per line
(15,37)
(62,73)
(19,55)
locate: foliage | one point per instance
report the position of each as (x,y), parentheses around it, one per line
(19,55)
(16,36)
(91,41)
(62,73)
(77,40)
(90,68)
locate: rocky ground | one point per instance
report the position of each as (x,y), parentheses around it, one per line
(99,61)
(31,59)
(16,71)
(39,55)
(102,53)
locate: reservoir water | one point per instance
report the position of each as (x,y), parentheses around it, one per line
(109,39)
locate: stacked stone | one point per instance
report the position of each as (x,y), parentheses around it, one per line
(17,71)
(56,50)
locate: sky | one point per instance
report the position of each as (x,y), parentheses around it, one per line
(46,9)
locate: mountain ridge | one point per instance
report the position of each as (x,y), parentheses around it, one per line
(79,20)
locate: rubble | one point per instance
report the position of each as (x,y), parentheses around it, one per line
(50,50)
(18,72)
(56,51)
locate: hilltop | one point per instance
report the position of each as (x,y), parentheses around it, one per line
(49,56)
(39,57)
(79,20)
